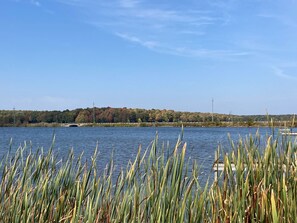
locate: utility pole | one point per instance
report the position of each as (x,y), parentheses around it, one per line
(13,116)
(94,113)
(212,101)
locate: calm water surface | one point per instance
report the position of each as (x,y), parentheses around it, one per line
(202,142)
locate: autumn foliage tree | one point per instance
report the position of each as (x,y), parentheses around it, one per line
(124,115)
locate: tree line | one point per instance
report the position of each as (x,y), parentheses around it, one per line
(124,115)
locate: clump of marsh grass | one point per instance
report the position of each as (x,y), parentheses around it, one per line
(263,187)
(158,186)
(38,187)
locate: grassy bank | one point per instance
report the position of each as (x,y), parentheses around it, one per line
(159,186)
(159,124)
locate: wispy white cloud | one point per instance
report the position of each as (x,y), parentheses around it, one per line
(194,33)
(164,28)
(182,51)
(76,3)
(289,64)
(225,5)
(129,3)
(280,72)
(147,44)
(36,3)
(33,2)
(280,18)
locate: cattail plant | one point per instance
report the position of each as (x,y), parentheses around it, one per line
(160,185)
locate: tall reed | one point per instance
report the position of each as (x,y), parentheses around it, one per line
(158,186)
(264,186)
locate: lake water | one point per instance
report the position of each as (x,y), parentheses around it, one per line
(201,142)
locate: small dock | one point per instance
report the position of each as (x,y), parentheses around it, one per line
(289,133)
(219,166)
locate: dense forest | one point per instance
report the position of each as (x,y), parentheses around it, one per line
(129,115)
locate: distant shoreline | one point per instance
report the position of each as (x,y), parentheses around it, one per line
(153,124)
(130,117)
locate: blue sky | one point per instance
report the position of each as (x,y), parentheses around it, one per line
(166,54)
